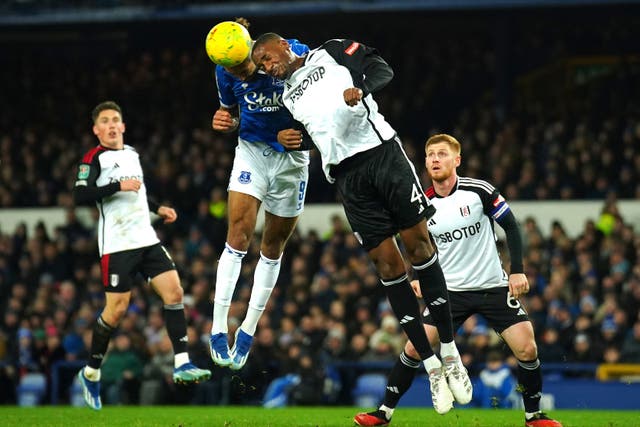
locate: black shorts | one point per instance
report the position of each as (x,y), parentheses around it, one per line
(381,193)
(119,269)
(491,303)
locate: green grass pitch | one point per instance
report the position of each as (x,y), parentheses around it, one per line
(240,416)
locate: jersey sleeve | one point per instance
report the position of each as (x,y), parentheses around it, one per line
(494,205)
(298,48)
(369,71)
(85,190)
(224,83)
(153,205)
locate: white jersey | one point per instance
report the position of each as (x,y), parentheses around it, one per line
(462,229)
(124,215)
(314,95)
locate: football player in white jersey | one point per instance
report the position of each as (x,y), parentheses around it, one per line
(270,168)
(110,175)
(462,229)
(330,92)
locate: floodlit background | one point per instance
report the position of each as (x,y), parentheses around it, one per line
(543,95)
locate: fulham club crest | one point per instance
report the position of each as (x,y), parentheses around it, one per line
(465,211)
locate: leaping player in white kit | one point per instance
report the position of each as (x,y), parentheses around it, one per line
(330,91)
(462,229)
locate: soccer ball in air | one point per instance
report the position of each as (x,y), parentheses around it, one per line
(228,44)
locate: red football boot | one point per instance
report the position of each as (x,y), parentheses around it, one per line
(540,419)
(374,418)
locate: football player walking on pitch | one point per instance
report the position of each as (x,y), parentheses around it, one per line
(111,176)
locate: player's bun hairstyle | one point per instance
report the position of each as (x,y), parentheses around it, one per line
(106,105)
(443,137)
(244,22)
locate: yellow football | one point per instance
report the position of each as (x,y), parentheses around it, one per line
(228,44)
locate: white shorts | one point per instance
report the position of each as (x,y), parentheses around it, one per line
(278,180)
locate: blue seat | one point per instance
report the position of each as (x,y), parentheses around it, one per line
(31,389)
(369,390)
(76,395)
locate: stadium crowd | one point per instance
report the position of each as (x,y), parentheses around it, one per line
(328,306)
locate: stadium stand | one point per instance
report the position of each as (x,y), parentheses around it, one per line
(489,79)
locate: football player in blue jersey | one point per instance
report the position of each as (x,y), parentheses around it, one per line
(270,168)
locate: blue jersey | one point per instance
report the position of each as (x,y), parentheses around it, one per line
(262,111)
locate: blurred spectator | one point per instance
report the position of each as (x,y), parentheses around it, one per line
(388,333)
(309,390)
(157,387)
(582,350)
(550,349)
(121,372)
(496,385)
(630,352)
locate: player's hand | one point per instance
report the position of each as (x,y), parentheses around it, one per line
(352,96)
(130,185)
(518,284)
(223,121)
(415,285)
(290,139)
(168,214)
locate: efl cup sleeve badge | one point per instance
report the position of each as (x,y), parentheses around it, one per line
(245,177)
(114,279)
(83,172)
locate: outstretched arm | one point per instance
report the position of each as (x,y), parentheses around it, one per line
(518,283)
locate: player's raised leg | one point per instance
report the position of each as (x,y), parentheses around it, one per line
(277,230)
(242,215)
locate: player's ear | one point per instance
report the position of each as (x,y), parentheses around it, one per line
(458,159)
(95,130)
(124,127)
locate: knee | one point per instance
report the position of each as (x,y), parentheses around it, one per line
(239,235)
(410,351)
(527,352)
(174,296)
(272,248)
(420,252)
(114,312)
(389,268)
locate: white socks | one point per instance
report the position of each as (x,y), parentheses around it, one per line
(91,374)
(264,280)
(229,266)
(432,363)
(448,349)
(180,359)
(387,411)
